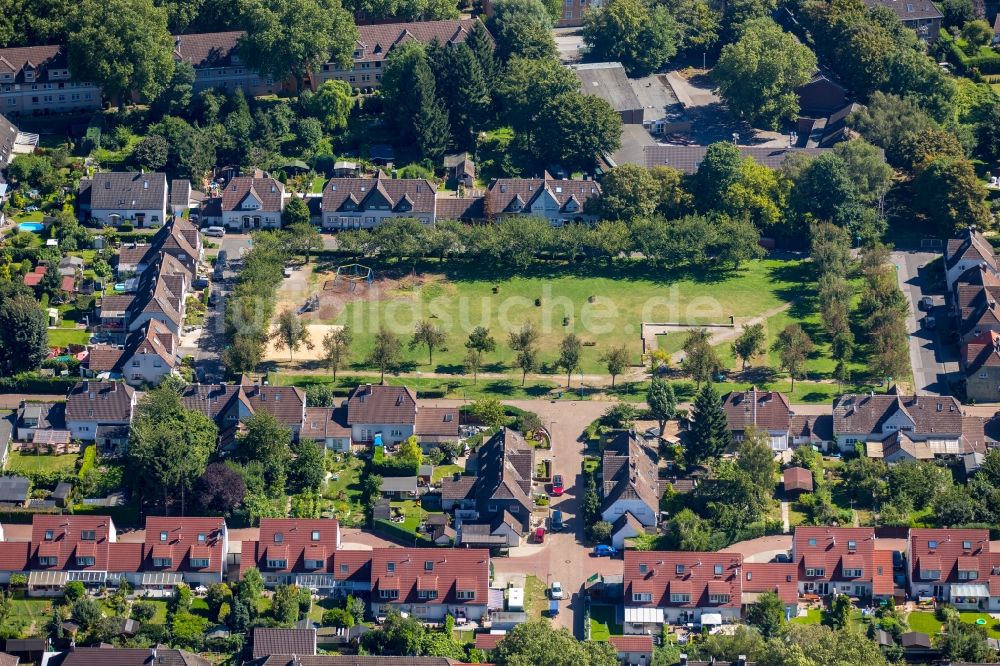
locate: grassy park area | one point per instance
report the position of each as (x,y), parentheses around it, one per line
(604,307)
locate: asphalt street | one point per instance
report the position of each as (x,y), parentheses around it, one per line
(933,361)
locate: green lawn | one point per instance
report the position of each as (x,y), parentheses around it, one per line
(535,601)
(602,623)
(61,337)
(812,616)
(992,626)
(444,471)
(623,297)
(160,617)
(36,216)
(507,389)
(46,464)
(30,615)
(412,515)
(924,622)
(345,492)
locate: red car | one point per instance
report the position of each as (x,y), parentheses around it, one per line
(557,485)
(540,535)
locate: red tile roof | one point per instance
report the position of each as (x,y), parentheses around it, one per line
(297,540)
(882,583)
(945,550)
(105,402)
(452,570)
(519,195)
(14,555)
(797,478)
(323,422)
(632,643)
(826,547)
(208,49)
(773,577)
(488,641)
(61,537)
(182,539)
(663,573)
(437,422)
(124,557)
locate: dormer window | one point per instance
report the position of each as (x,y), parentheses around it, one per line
(199,562)
(852,545)
(315,535)
(47,561)
(466,594)
(278,537)
(163,536)
(277,564)
(966,545)
(642,596)
(389,594)
(49,535)
(85,561)
(932,545)
(88,535)
(201,537)
(162,561)
(643,568)
(390,567)
(427,594)
(428,565)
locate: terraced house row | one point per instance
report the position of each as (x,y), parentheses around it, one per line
(37,80)
(428,582)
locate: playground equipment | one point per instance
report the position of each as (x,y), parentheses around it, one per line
(349,276)
(311,305)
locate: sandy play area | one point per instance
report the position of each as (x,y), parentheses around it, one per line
(316,333)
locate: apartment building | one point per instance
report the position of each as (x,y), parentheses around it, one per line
(376,41)
(217,63)
(363,203)
(35,80)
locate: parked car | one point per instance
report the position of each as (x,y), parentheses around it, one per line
(604,550)
(213,299)
(926,303)
(540,535)
(557,523)
(557,485)
(217,232)
(556,591)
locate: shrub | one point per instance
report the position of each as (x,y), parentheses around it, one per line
(143,611)
(74,590)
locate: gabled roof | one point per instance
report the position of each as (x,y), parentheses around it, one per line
(437,422)
(268,191)
(773,577)
(208,49)
(632,643)
(519,195)
(505,466)
(285,403)
(376,40)
(275,640)
(111,656)
(380,404)
(664,573)
(945,550)
(765,410)
(180,192)
(128,190)
(797,478)
(826,547)
(62,536)
(16,60)
(629,472)
(444,572)
(8,136)
(460,208)
(184,539)
(323,422)
(913,10)
(970,245)
(864,414)
(108,402)
(404,195)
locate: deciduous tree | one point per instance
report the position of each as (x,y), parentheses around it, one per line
(480,342)
(569,355)
(522,28)
(337,348)
(430,336)
(751,342)
(386,353)
(289,333)
(639,36)
(524,341)
(793,346)
(616,360)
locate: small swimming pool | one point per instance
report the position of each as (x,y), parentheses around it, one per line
(33,227)
(120,286)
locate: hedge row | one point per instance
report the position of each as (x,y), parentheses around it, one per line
(985,64)
(393,530)
(32,383)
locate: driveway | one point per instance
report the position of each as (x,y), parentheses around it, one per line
(212,340)
(563,557)
(933,362)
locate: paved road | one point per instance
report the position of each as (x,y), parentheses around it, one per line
(933,363)
(212,341)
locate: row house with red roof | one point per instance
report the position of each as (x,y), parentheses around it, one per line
(306,552)
(363,203)
(666,587)
(841,560)
(87,549)
(954,566)
(430,583)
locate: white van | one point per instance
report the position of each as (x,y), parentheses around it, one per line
(218,232)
